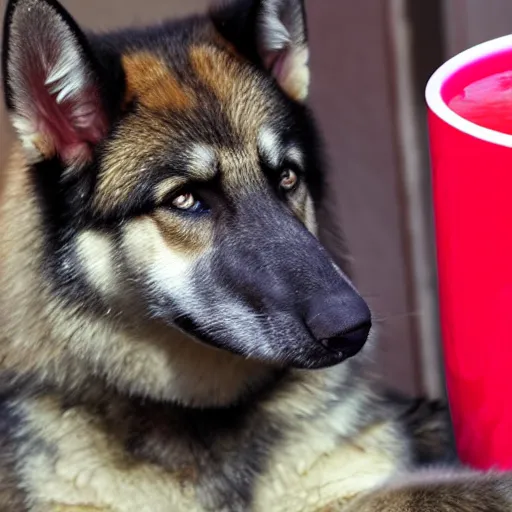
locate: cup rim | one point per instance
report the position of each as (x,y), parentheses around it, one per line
(439,107)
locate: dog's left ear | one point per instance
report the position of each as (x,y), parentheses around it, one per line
(274,34)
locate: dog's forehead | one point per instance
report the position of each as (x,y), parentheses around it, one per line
(210,85)
(215,114)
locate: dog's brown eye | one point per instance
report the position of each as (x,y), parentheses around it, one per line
(184,201)
(289,179)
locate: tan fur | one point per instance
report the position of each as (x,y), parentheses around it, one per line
(228,78)
(87,464)
(185,237)
(126,158)
(165,187)
(151,81)
(303,207)
(312,475)
(65,508)
(295,75)
(217,70)
(95,251)
(44,145)
(240,171)
(92,469)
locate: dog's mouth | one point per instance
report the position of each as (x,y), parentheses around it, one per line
(300,350)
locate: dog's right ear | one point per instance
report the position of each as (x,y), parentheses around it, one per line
(51,84)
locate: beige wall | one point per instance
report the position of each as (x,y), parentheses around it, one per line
(353,94)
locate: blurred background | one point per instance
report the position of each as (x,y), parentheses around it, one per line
(370,62)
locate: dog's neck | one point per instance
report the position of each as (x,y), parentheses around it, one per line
(218,450)
(66,350)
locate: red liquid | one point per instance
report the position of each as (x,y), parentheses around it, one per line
(487,102)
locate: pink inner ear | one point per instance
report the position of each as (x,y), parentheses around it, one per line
(277,67)
(72,126)
(273,61)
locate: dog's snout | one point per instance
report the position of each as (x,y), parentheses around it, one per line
(348,343)
(340,322)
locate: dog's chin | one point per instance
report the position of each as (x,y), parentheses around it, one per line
(303,355)
(316,363)
(312,357)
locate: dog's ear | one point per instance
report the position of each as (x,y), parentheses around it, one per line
(273,33)
(51,83)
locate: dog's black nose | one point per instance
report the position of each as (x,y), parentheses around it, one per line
(340,322)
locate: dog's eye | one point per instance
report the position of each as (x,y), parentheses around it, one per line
(288,180)
(186,201)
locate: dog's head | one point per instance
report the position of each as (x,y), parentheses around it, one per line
(177,170)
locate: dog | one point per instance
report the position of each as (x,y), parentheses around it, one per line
(174,336)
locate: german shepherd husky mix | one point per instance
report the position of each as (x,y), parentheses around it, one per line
(174,337)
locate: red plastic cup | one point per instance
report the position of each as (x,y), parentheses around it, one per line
(471,156)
